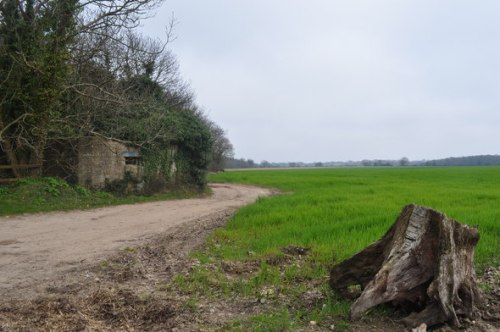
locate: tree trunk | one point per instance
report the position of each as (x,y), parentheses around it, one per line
(6,146)
(425,260)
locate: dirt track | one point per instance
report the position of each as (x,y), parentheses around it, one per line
(35,248)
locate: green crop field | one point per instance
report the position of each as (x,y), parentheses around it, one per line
(337,212)
(334,213)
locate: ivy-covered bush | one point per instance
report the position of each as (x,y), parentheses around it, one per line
(194,144)
(173,136)
(182,160)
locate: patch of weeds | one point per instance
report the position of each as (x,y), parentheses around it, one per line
(296,285)
(202,258)
(322,306)
(191,305)
(55,185)
(200,281)
(293,273)
(280,321)
(334,304)
(84,192)
(277,321)
(266,275)
(300,272)
(342,325)
(242,288)
(485,287)
(227,281)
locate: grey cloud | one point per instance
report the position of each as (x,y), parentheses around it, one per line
(337,80)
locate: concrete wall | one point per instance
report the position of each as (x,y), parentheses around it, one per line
(101,161)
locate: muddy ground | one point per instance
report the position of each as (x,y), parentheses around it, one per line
(131,285)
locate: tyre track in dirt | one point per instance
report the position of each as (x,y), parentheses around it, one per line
(37,248)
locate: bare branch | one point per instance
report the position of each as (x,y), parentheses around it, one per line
(22,117)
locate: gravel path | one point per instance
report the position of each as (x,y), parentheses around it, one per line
(35,248)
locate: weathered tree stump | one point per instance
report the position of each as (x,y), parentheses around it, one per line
(425,260)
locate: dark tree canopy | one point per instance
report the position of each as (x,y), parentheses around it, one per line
(74,68)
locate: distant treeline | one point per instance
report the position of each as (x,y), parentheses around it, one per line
(483,160)
(240,163)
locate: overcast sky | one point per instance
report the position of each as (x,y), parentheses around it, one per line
(325,80)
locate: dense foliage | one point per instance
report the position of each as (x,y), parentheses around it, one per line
(71,69)
(33,68)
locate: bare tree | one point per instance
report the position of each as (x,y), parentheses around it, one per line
(222,149)
(404,161)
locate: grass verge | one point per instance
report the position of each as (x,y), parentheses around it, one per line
(32,195)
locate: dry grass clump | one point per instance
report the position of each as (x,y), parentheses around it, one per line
(121,268)
(102,309)
(44,313)
(124,309)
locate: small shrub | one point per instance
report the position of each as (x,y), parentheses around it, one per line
(82,191)
(55,185)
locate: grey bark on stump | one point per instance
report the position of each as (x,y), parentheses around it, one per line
(425,260)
